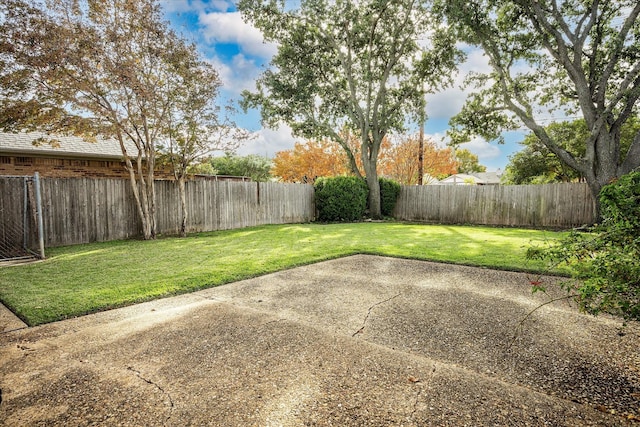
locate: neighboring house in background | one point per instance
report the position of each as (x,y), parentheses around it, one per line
(73,158)
(480,178)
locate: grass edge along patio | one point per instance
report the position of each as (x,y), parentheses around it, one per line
(82,279)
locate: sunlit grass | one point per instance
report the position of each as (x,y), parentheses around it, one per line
(81,279)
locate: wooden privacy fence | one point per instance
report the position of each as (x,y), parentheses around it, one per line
(82,210)
(548,206)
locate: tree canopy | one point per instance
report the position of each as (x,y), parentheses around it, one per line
(309,160)
(536,164)
(99,67)
(468,162)
(359,65)
(195,129)
(555,59)
(253,166)
(399,161)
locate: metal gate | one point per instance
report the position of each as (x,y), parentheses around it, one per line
(21,228)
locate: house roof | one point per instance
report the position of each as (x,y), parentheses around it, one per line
(69,146)
(461,178)
(475,178)
(488,177)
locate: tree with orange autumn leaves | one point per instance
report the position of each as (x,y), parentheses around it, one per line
(397,160)
(309,160)
(400,161)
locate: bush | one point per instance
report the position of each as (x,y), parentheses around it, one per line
(341,198)
(604,262)
(389,192)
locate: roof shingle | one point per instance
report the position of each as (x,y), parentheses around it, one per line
(70,146)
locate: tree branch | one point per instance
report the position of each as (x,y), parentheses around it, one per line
(520,325)
(618,46)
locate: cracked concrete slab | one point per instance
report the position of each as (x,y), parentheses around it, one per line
(358,341)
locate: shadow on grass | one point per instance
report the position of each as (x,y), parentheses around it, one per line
(93,277)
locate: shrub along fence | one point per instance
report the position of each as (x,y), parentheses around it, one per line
(560,206)
(83,210)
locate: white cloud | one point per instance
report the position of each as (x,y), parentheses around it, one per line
(439,138)
(268,142)
(482,149)
(230,28)
(238,74)
(222,5)
(449,102)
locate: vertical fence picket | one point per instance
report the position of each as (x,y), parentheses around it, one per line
(563,205)
(81,210)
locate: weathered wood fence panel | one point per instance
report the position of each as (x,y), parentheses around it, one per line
(552,205)
(82,210)
(224,205)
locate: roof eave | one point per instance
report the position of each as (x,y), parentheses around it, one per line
(60,154)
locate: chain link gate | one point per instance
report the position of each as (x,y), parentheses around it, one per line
(21,230)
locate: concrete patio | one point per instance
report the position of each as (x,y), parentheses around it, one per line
(358,341)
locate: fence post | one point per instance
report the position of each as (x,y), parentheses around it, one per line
(25,215)
(36,184)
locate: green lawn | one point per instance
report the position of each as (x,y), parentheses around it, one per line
(76,280)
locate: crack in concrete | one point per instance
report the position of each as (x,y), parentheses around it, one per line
(156,385)
(273,321)
(364,324)
(415,403)
(420,390)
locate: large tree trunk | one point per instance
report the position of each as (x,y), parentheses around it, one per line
(375,209)
(604,167)
(369,162)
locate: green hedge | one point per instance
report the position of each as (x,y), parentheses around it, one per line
(341,198)
(389,192)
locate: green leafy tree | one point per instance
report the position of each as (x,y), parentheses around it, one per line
(554,58)
(256,167)
(195,128)
(604,262)
(349,65)
(94,67)
(536,164)
(468,162)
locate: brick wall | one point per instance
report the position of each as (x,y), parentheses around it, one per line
(67,168)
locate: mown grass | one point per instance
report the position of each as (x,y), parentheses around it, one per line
(76,280)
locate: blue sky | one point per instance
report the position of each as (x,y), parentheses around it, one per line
(240,55)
